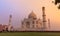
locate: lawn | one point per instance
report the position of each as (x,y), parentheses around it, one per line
(29,34)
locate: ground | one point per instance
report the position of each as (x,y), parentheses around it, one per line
(30,34)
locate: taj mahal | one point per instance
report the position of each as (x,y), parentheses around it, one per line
(32,23)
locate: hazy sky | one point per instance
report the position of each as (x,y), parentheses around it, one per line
(21,8)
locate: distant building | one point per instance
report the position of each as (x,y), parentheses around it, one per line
(3,27)
(32,22)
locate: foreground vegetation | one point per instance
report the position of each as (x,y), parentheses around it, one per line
(30,34)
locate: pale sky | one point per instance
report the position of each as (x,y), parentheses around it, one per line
(21,8)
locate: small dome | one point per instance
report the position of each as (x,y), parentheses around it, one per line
(32,15)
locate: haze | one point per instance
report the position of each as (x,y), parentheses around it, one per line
(21,8)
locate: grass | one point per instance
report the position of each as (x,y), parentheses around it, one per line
(29,34)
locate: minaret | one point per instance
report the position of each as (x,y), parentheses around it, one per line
(49,23)
(10,17)
(44,18)
(9,24)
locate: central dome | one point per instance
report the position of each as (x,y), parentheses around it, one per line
(32,15)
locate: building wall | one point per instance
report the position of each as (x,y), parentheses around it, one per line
(31,24)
